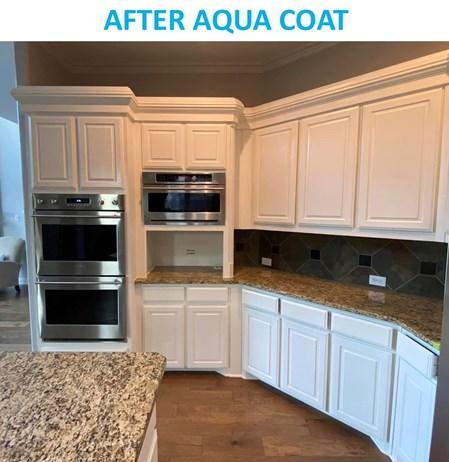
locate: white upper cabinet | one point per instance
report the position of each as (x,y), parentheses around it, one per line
(163,146)
(101,148)
(275,165)
(54,152)
(327,168)
(206,146)
(400,146)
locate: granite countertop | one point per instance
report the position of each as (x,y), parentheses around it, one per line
(76,406)
(421,316)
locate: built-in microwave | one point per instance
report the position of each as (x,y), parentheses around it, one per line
(186,198)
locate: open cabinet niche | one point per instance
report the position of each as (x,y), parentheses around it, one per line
(184,249)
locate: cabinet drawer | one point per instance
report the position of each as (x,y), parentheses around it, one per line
(163,294)
(361,329)
(307,314)
(207,294)
(417,356)
(260,301)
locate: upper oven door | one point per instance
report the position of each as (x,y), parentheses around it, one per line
(171,205)
(79,245)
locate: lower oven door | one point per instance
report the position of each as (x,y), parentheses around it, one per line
(82,308)
(184,206)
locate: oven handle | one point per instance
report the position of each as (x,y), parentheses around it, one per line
(77,216)
(116,282)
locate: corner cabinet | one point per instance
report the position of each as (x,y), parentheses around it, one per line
(399,160)
(54,158)
(275,166)
(72,154)
(328,146)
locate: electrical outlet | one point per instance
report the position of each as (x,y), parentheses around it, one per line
(380,281)
(266,261)
(190,252)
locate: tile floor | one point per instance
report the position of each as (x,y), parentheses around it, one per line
(204,417)
(14,320)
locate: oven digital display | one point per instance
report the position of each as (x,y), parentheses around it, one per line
(78,200)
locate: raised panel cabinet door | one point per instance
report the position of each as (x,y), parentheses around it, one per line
(328,146)
(53,141)
(360,386)
(164,332)
(275,165)
(400,150)
(415,404)
(304,363)
(206,146)
(101,149)
(163,146)
(261,333)
(207,337)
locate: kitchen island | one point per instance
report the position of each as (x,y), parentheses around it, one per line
(76,406)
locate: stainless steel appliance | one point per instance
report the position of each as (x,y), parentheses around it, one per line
(80,265)
(185,198)
(81,308)
(79,234)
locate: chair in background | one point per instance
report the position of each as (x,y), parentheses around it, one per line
(11,253)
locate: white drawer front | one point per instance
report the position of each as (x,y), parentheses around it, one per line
(163,294)
(260,301)
(417,356)
(367,331)
(207,294)
(305,313)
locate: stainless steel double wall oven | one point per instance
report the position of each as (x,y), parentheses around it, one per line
(80,263)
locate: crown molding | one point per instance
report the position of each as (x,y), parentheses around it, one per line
(425,72)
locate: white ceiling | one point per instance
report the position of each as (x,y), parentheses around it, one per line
(179,57)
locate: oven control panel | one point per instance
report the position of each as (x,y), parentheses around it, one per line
(95,202)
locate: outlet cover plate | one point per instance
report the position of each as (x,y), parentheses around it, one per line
(380,281)
(266,261)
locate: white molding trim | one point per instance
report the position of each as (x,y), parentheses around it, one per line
(424,72)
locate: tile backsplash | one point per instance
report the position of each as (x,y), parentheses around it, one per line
(412,267)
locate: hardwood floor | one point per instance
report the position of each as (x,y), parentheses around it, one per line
(14,321)
(204,417)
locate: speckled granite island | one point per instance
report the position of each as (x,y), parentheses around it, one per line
(85,407)
(421,316)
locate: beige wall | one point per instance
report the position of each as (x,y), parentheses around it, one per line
(340,62)
(36,67)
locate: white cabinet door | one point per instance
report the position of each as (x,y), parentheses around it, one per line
(415,404)
(164,332)
(400,146)
(261,345)
(163,146)
(101,148)
(54,152)
(304,363)
(206,146)
(360,386)
(328,145)
(275,166)
(207,336)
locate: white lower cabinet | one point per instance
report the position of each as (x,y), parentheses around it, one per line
(164,333)
(207,337)
(360,385)
(261,332)
(304,363)
(415,403)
